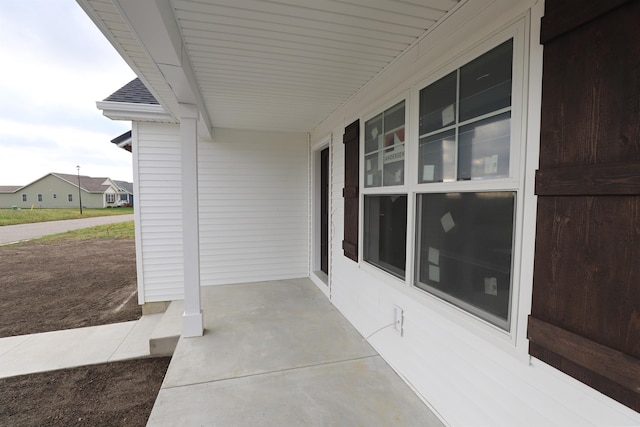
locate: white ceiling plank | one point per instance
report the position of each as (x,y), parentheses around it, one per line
(262,65)
(311,10)
(289,32)
(288,48)
(329,8)
(438,4)
(418,8)
(346,65)
(340,81)
(336,85)
(228,33)
(282,24)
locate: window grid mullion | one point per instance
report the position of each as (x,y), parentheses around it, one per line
(457,125)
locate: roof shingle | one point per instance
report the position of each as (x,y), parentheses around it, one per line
(134,92)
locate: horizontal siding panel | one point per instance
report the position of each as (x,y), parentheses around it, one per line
(231,252)
(253,207)
(232,263)
(258,234)
(157,276)
(250,276)
(175,225)
(170,295)
(159,205)
(163,264)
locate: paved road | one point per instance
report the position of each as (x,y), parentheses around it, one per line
(16,233)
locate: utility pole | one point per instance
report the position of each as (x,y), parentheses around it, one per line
(79,191)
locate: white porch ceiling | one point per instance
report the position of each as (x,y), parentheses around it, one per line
(261,64)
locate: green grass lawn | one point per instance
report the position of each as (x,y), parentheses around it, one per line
(120,230)
(25,216)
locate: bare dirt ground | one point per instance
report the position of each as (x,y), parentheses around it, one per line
(71,284)
(111,394)
(67,284)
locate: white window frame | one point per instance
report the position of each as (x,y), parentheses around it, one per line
(513,182)
(517,31)
(110,198)
(382,190)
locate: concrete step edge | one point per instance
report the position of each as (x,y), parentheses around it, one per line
(165,336)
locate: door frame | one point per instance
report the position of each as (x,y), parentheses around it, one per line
(323,281)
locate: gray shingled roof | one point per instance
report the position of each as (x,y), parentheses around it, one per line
(9,188)
(92,185)
(133,92)
(124,185)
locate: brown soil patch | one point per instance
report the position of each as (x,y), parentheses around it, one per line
(113,394)
(71,284)
(67,284)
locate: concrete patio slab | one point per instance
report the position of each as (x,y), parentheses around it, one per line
(279,354)
(257,328)
(361,392)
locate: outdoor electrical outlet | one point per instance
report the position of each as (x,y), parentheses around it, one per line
(398,319)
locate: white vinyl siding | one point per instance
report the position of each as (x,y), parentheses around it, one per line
(159,207)
(469,373)
(254,207)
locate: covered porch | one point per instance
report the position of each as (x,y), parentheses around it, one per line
(279,354)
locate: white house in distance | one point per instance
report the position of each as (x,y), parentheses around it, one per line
(60,190)
(466,171)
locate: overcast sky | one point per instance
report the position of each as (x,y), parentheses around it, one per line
(54,65)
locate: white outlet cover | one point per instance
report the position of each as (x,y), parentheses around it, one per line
(398,319)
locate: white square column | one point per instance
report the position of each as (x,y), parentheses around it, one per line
(192,321)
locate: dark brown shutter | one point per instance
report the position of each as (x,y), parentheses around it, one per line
(585,316)
(350,192)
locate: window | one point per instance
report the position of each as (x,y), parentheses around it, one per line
(384,148)
(39,197)
(385,232)
(463,186)
(464,250)
(70,197)
(55,196)
(111,198)
(24,197)
(464,238)
(465,121)
(124,197)
(385,215)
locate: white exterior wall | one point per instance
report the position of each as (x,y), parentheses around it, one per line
(158,212)
(467,372)
(254,207)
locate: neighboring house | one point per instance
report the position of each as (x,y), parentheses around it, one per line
(125,190)
(419,163)
(59,190)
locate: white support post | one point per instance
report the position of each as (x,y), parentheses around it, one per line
(193,325)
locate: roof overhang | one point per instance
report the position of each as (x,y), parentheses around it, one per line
(135,112)
(259,64)
(124,141)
